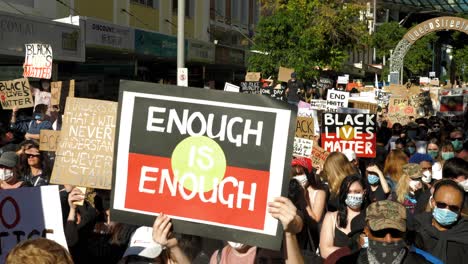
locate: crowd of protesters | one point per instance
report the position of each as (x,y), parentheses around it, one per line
(406,205)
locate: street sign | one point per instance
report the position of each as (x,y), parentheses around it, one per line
(182,77)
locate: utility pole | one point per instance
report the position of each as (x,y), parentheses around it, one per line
(182,72)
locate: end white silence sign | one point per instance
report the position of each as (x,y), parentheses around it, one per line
(211,160)
(38,61)
(28,213)
(336,99)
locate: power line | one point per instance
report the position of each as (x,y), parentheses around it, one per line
(12,6)
(65,4)
(132,15)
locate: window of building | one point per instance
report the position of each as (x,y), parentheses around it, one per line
(235,11)
(244,12)
(220,7)
(188,5)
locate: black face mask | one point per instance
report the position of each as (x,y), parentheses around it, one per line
(381,252)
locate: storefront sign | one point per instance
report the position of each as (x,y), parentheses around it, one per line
(199,51)
(211,160)
(67,41)
(109,35)
(156,44)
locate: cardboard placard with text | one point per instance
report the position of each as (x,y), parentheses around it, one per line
(318,156)
(397,90)
(229,87)
(38,61)
(252,76)
(302,147)
(251,87)
(55,89)
(400,111)
(364,105)
(284,74)
(29,213)
(15,93)
(305,127)
(336,99)
(49,139)
(85,153)
(356,132)
(208,159)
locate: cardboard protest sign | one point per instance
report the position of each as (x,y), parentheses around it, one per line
(451,104)
(284,74)
(38,61)
(318,156)
(302,147)
(15,93)
(41,97)
(305,127)
(347,110)
(318,104)
(305,111)
(251,87)
(343,79)
(424,80)
(48,140)
(399,110)
(210,160)
(55,88)
(382,97)
(397,90)
(229,87)
(29,213)
(350,131)
(336,99)
(252,76)
(324,83)
(85,152)
(364,105)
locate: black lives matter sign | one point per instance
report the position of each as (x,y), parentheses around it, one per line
(211,160)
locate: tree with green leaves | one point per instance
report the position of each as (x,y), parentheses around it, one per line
(307,35)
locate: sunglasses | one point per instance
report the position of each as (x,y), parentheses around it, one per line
(33,155)
(459,139)
(383,233)
(452,208)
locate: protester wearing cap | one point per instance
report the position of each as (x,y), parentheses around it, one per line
(409,186)
(303,173)
(385,230)
(426,162)
(8,172)
(443,232)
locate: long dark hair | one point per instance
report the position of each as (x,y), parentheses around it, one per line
(342,218)
(25,169)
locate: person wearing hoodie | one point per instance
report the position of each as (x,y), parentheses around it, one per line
(443,233)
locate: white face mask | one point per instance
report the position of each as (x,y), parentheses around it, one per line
(235,245)
(302,179)
(427,177)
(6,174)
(415,185)
(464,185)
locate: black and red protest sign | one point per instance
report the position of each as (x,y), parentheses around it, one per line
(349,131)
(211,160)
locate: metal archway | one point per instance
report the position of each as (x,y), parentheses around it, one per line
(421,30)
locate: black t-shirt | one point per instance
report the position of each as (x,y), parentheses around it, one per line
(294,87)
(378,194)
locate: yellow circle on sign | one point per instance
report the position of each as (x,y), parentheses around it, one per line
(347,132)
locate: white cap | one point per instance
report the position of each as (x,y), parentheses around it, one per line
(349,154)
(142,244)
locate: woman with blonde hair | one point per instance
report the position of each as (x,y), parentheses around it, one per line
(409,186)
(335,169)
(394,167)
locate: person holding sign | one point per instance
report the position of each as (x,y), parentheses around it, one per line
(283,210)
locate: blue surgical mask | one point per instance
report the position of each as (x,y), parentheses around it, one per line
(411,150)
(457,145)
(444,217)
(372,178)
(447,155)
(354,200)
(433,153)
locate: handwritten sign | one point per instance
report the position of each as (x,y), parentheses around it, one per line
(318,156)
(336,99)
(28,213)
(305,127)
(15,93)
(55,89)
(38,61)
(356,132)
(284,74)
(364,105)
(48,140)
(400,111)
(252,76)
(318,104)
(85,153)
(229,87)
(251,87)
(302,147)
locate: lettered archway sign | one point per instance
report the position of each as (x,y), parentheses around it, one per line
(421,30)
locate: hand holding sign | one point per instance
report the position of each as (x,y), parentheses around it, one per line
(284,210)
(162,232)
